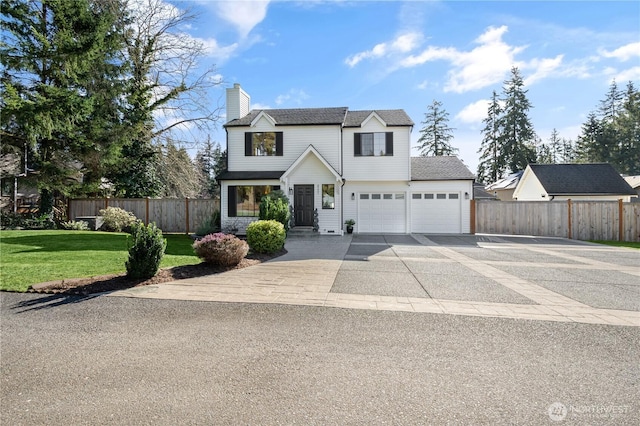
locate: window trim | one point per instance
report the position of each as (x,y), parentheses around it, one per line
(248,144)
(357,144)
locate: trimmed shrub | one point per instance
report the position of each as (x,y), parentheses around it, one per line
(221,249)
(266,236)
(211,225)
(275,206)
(75,225)
(117,219)
(146,250)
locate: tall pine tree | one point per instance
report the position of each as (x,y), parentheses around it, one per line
(436,135)
(492,166)
(517,137)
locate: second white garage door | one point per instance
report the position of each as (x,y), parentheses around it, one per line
(382,212)
(438,213)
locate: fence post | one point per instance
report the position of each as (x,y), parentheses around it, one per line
(473,217)
(569,213)
(146,214)
(106,202)
(620,220)
(186,206)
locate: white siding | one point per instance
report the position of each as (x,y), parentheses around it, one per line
(325,139)
(312,171)
(394,167)
(529,188)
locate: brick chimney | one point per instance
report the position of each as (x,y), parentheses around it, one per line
(238,102)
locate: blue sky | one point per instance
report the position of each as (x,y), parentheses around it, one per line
(391,54)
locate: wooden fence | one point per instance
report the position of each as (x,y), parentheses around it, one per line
(182,215)
(580,220)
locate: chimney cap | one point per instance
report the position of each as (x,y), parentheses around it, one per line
(236,85)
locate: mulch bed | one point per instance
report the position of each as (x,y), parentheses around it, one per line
(99,284)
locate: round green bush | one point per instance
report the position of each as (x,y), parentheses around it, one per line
(146,250)
(266,236)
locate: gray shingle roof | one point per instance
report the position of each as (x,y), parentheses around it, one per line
(570,179)
(392,117)
(439,168)
(292,117)
(320,116)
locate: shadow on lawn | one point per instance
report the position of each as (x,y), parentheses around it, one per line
(70,241)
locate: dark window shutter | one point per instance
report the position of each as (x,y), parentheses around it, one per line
(279,144)
(248,137)
(389,143)
(357,146)
(231,202)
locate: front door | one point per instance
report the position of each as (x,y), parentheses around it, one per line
(303,205)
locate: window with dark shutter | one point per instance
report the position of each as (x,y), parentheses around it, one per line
(389,143)
(279,144)
(231,202)
(357,146)
(248,148)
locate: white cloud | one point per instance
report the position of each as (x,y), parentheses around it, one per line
(631,74)
(623,53)
(475,112)
(295,96)
(542,68)
(258,106)
(214,50)
(244,15)
(404,43)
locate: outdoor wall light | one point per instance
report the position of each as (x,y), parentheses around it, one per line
(353,195)
(466,195)
(290,191)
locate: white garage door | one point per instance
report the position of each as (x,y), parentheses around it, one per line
(436,212)
(382,212)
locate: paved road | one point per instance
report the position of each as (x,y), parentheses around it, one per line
(115,360)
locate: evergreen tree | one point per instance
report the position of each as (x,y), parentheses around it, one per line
(436,135)
(53,53)
(492,166)
(591,144)
(568,152)
(628,123)
(517,137)
(211,160)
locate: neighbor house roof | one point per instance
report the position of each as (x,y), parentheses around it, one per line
(391,117)
(633,181)
(586,179)
(509,182)
(296,116)
(249,175)
(439,168)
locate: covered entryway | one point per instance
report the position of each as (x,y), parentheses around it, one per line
(303,205)
(382,212)
(436,212)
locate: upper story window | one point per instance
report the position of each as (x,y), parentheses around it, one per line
(261,144)
(373,144)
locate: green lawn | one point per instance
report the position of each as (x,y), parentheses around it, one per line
(619,243)
(30,257)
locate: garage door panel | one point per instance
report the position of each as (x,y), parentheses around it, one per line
(436,213)
(382,212)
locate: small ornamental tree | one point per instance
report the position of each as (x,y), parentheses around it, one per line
(146,251)
(275,206)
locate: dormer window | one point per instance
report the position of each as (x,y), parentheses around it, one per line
(262,144)
(373,144)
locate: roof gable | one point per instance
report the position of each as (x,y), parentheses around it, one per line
(311,150)
(445,167)
(294,117)
(389,117)
(587,179)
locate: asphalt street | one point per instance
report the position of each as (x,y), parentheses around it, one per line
(116,360)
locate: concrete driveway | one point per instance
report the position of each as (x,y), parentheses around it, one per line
(480,275)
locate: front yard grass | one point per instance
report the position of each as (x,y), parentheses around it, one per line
(629,244)
(31,257)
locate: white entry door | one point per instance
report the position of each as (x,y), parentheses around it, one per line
(436,212)
(382,212)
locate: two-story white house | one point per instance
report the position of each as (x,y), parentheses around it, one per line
(336,164)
